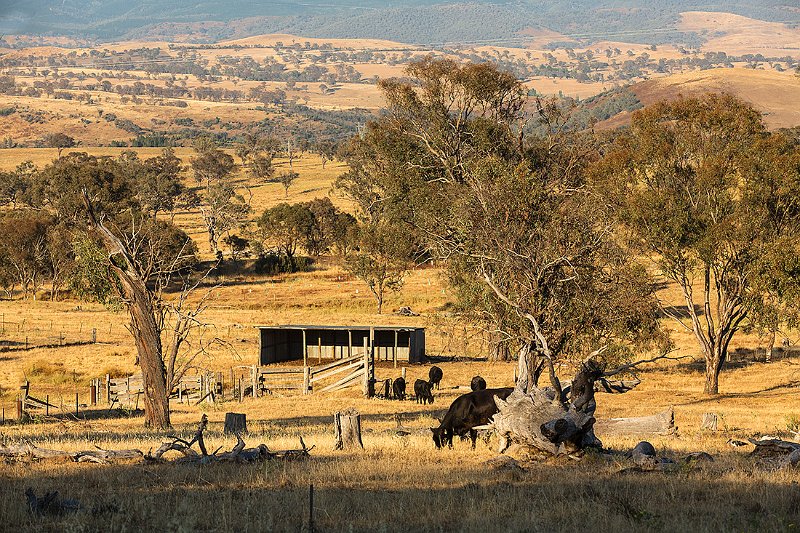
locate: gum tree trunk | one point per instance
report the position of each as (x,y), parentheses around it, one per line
(144,327)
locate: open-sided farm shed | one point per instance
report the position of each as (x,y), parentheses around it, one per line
(293,342)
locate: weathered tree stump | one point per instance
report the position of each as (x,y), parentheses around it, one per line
(347,425)
(545,419)
(709,421)
(235,423)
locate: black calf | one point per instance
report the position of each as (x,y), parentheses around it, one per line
(399,389)
(478,383)
(435,376)
(422,390)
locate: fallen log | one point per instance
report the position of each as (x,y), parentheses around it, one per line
(239,453)
(773,447)
(98,455)
(50,504)
(659,424)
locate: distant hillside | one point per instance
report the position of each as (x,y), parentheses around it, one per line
(416,21)
(775,94)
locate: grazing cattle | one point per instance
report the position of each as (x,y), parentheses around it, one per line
(466,412)
(422,390)
(399,389)
(386,389)
(435,376)
(478,383)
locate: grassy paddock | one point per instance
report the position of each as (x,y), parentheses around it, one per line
(395,484)
(405,484)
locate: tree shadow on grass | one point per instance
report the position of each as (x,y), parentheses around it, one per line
(427,496)
(742,358)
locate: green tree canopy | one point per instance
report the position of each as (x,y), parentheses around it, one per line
(702,187)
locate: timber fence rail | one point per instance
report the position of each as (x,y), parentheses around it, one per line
(29,334)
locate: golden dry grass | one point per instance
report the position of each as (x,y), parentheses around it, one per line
(403,483)
(739,35)
(395,484)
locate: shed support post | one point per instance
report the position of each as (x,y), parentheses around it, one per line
(394,353)
(319,349)
(305,349)
(306,380)
(368,385)
(349,343)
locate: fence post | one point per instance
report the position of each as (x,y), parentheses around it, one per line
(93,393)
(25,388)
(108,389)
(403,373)
(306,380)
(369,371)
(20,410)
(94,335)
(76,404)
(254,372)
(47,405)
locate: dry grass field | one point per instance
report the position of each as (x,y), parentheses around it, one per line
(775,94)
(396,483)
(742,35)
(87,120)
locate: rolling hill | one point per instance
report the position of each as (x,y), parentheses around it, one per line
(775,94)
(417,21)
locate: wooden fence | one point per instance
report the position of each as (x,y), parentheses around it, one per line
(126,391)
(342,373)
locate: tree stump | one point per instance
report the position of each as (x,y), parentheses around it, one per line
(709,421)
(544,419)
(235,423)
(347,425)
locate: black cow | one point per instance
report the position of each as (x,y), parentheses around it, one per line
(399,389)
(435,376)
(422,390)
(478,383)
(466,412)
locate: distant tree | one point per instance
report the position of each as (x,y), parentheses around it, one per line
(60,257)
(261,167)
(223,209)
(237,245)
(210,163)
(159,186)
(59,187)
(287,227)
(326,150)
(286,178)
(14,185)
(703,188)
(331,227)
(381,261)
(58,141)
(24,248)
